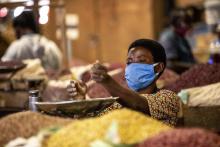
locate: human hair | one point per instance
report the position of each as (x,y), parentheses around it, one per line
(180,15)
(26,20)
(155,48)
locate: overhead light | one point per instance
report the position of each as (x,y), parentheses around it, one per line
(18,11)
(44,10)
(29,3)
(44,2)
(43,19)
(3,12)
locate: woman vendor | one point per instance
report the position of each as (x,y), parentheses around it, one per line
(146,61)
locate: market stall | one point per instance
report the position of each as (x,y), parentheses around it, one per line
(37,108)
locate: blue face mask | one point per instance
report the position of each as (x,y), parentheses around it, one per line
(139,76)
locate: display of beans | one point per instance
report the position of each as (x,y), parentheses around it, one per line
(199,75)
(168,77)
(183,138)
(96,90)
(56,91)
(26,124)
(132,127)
(54,75)
(10,63)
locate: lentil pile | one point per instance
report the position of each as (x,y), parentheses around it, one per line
(199,75)
(26,124)
(183,138)
(133,127)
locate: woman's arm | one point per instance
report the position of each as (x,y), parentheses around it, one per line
(127,97)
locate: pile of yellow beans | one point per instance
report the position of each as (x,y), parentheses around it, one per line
(133,127)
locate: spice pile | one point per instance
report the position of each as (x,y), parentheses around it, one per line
(183,138)
(26,124)
(199,75)
(133,127)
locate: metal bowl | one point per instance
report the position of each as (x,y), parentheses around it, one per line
(76,106)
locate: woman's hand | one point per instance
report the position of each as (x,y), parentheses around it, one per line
(77,90)
(99,72)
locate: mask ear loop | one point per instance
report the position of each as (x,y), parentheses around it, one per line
(156,74)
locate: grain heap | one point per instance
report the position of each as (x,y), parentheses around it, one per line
(26,124)
(133,127)
(208,95)
(183,138)
(199,75)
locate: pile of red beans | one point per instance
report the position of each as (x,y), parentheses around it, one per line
(183,138)
(199,75)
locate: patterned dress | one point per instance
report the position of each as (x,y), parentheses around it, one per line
(163,105)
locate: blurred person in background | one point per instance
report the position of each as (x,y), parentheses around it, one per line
(30,44)
(197,13)
(173,39)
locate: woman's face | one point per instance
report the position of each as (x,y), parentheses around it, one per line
(142,55)
(139,55)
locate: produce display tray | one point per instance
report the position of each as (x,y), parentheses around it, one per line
(75,107)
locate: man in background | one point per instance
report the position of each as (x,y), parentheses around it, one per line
(173,39)
(31,45)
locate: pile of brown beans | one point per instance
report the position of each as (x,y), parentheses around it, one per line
(199,75)
(26,124)
(183,138)
(168,76)
(96,90)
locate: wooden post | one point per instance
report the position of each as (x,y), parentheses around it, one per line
(62,25)
(35,8)
(96,37)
